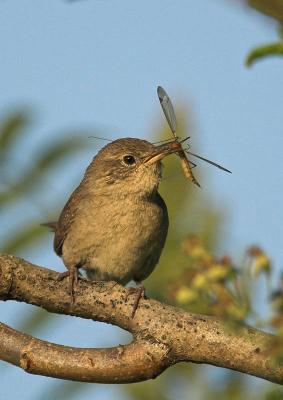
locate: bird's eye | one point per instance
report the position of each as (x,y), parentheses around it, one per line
(129,160)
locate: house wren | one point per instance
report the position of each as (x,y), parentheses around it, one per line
(115,223)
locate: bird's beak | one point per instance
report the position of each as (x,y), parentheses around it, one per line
(161,152)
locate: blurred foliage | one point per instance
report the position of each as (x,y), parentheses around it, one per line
(216,286)
(11,127)
(274,394)
(19,183)
(43,160)
(272,49)
(64,390)
(273,9)
(23,238)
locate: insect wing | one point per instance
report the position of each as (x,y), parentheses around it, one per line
(167,108)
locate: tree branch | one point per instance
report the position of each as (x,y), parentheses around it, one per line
(162,335)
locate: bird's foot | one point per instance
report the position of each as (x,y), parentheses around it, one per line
(139,291)
(62,275)
(73,274)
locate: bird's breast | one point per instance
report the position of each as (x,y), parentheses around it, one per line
(119,238)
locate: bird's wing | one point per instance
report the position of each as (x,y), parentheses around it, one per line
(65,220)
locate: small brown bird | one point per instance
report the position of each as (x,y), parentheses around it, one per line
(115,223)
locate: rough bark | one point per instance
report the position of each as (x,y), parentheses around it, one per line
(162,335)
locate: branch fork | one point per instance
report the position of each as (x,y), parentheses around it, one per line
(162,335)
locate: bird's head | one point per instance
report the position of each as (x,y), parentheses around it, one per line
(128,166)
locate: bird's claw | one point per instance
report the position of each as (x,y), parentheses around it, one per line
(72,274)
(140,293)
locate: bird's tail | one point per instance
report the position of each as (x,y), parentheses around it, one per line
(51,225)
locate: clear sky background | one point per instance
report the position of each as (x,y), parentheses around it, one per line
(96,64)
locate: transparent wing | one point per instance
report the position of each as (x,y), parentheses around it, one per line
(167,108)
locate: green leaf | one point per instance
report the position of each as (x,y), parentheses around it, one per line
(274,394)
(57,151)
(49,158)
(273,49)
(272,8)
(10,129)
(24,238)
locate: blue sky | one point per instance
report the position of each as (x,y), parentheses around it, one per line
(96,64)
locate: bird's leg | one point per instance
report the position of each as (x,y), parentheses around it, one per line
(139,291)
(73,280)
(72,273)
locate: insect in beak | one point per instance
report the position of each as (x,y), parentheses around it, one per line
(176,144)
